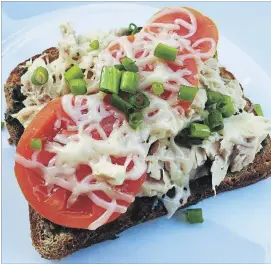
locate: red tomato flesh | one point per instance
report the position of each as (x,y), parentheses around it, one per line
(52,203)
(206,28)
(189,64)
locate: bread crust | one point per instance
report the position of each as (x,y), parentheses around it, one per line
(53,241)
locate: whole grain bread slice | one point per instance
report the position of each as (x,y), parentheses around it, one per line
(53,241)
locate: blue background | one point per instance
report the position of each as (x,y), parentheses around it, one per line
(247,24)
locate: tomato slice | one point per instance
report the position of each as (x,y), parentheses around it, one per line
(187,18)
(54,202)
(189,64)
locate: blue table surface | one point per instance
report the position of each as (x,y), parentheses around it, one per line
(247,24)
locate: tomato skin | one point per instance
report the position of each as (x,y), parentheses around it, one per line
(40,124)
(189,63)
(206,28)
(51,201)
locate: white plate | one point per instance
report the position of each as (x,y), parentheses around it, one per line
(237,224)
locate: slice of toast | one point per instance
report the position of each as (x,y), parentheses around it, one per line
(53,241)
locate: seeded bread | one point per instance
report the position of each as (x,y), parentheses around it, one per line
(53,241)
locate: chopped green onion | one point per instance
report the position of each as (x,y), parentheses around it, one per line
(157,88)
(139,101)
(78,86)
(204,114)
(213,97)
(132,29)
(135,120)
(225,106)
(129,82)
(39,76)
(258,110)
(215,120)
(199,131)
(129,64)
(2,124)
(121,104)
(194,216)
(94,44)
(165,52)
(120,67)
(110,80)
(74,73)
(183,139)
(36,144)
(187,93)
(210,107)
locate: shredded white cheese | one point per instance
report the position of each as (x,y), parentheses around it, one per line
(72,49)
(169,166)
(81,148)
(27,114)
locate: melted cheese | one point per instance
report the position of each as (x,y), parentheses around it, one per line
(73,49)
(26,115)
(170,166)
(178,161)
(39,95)
(115,174)
(80,148)
(192,28)
(141,50)
(179,199)
(166,121)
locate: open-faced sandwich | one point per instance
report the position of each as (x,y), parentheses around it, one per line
(114,129)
